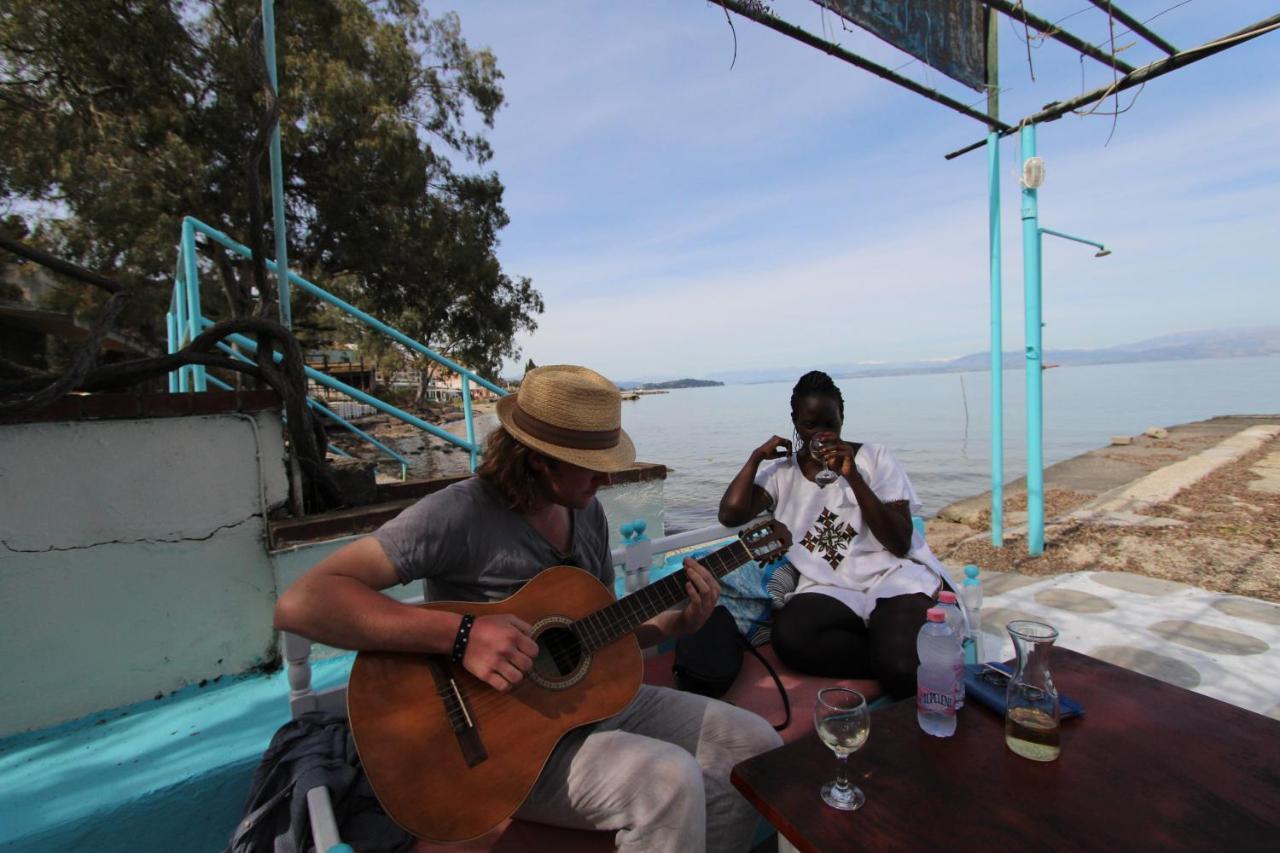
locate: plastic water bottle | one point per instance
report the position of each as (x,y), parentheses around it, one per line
(936,677)
(955,621)
(971,589)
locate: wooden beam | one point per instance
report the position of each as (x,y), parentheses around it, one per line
(1020,13)
(1134,24)
(1148,72)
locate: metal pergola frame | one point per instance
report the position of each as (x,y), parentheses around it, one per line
(1032,233)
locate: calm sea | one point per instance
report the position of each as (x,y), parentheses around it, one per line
(938,425)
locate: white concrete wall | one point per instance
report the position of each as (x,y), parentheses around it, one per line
(132,559)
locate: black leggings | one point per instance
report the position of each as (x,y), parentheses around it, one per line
(818,635)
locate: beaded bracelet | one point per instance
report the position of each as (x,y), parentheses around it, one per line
(464,634)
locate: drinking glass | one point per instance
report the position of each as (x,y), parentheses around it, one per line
(826,476)
(843,722)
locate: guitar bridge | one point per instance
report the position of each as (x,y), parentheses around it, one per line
(460,719)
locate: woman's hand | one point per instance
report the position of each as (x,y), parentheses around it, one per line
(776,447)
(703,591)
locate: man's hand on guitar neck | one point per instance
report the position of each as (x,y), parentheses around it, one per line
(500,652)
(703,590)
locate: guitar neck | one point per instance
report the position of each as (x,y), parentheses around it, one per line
(628,613)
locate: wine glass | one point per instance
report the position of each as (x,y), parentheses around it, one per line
(843,722)
(817,444)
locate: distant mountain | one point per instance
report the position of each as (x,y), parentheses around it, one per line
(1216,343)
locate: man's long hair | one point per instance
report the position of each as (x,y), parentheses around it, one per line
(506,464)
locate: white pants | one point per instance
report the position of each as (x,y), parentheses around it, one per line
(657,773)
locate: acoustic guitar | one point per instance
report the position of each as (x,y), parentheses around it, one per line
(450,757)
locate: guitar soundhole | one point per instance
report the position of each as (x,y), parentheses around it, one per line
(560,657)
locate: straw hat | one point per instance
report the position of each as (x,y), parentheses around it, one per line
(572,414)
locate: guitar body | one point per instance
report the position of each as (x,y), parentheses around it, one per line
(450,757)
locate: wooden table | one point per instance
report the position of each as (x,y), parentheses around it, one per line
(1150,766)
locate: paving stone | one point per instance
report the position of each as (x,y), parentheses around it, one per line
(994,620)
(1163,667)
(1074,601)
(1274,713)
(1248,608)
(995,583)
(1129,582)
(1207,638)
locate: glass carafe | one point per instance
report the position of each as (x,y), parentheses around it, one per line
(1031,701)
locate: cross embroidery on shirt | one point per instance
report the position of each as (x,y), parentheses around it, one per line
(829,537)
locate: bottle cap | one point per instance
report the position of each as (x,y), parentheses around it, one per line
(946,597)
(971,575)
(935,614)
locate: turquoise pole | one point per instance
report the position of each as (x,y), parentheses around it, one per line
(471,424)
(1035,378)
(171,327)
(181,326)
(368,320)
(192,281)
(277,167)
(997,345)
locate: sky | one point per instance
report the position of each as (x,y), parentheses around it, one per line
(685,212)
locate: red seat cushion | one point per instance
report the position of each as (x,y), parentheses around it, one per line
(754,689)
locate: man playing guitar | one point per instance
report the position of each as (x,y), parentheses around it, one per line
(658,772)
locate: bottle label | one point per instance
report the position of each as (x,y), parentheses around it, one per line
(935,701)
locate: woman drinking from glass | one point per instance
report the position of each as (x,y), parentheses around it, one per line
(864,578)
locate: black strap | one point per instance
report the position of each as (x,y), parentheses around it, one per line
(786,702)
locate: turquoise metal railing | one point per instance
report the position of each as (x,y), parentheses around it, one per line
(184,321)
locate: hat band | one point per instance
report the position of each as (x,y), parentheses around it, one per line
(576,439)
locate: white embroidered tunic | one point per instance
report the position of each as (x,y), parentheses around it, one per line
(834,551)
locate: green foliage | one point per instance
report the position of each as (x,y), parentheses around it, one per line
(121,117)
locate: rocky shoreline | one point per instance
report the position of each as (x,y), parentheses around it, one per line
(1198,503)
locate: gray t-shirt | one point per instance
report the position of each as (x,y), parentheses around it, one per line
(467,545)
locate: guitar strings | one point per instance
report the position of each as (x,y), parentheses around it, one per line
(596,637)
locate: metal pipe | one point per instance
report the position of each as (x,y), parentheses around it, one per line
(191,280)
(180,318)
(1058,109)
(1035,402)
(332,415)
(277,165)
(1134,24)
(997,344)
(1020,13)
(1102,250)
(471,425)
(866,65)
(357,394)
(170,323)
(368,320)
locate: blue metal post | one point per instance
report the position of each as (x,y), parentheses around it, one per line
(277,168)
(192,281)
(171,328)
(471,424)
(997,345)
(1035,401)
(180,319)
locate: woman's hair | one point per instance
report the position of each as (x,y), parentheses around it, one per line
(815,383)
(506,464)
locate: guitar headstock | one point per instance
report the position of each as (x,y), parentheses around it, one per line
(766,540)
